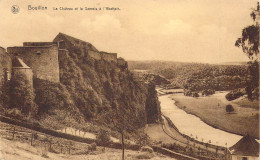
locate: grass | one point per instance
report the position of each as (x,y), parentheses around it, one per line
(14,150)
(212,110)
(244,102)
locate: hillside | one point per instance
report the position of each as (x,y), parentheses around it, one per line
(88,87)
(197,76)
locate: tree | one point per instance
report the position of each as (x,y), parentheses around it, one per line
(249,41)
(120,119)
(22,94)
(229,108)
(152,106)
(103,138)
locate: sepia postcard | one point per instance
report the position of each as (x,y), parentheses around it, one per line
(129,79)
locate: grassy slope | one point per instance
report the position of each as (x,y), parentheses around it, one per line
(15,150)
(244,120)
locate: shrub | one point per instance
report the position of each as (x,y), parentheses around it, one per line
(229,108)
(208,92)
(103,138)
(92,147)
(234,95)
(146,149)
(195,94)
(22,93)
(255,93)
(15,113)
(144,156)
(44,153)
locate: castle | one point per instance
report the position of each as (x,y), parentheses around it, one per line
(41,59)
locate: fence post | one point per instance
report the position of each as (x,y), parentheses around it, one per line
(50,145)
(69,147)
(61,148)
(32,139)
(13,133)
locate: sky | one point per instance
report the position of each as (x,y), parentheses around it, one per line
(171,30)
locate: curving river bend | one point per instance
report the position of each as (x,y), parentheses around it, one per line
(191,125)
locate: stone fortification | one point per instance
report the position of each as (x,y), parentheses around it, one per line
(5,66)
(21,69)
(43,57)
(43,60)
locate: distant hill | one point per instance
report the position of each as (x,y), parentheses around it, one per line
(196,76)
(232,63)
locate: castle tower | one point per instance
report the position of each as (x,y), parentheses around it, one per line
(20,68)
(41,57)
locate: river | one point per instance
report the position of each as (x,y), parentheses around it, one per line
(193,126)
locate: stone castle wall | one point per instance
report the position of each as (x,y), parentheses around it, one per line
(95,55)
(43,57)
(43,60)
(38,43)
(122,63)
(5,66)
(26,72)
(109,56)
(63,53)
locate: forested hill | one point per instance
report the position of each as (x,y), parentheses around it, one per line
(197,76)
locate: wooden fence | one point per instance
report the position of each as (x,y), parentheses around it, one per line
(64,143)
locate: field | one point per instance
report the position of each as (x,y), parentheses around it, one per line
(212,110)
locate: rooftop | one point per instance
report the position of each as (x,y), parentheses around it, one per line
(76,41)
(18,63)
(246,146)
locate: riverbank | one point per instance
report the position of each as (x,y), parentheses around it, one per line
(212,111)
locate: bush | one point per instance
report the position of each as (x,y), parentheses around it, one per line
(103,138)
(208,92)
(92,147)
(255,93)
(187,92)
(195,94)
(191,93)
(146,149)
(229,108)
(234,95)
(22,94)
(144,156)
(15,113)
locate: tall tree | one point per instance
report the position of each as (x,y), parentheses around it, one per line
(120,119)
(249,42)
(22,95)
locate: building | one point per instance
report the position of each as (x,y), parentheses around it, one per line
(247,148)
(21,69)
(41,57)
(67,42)
(5,66)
